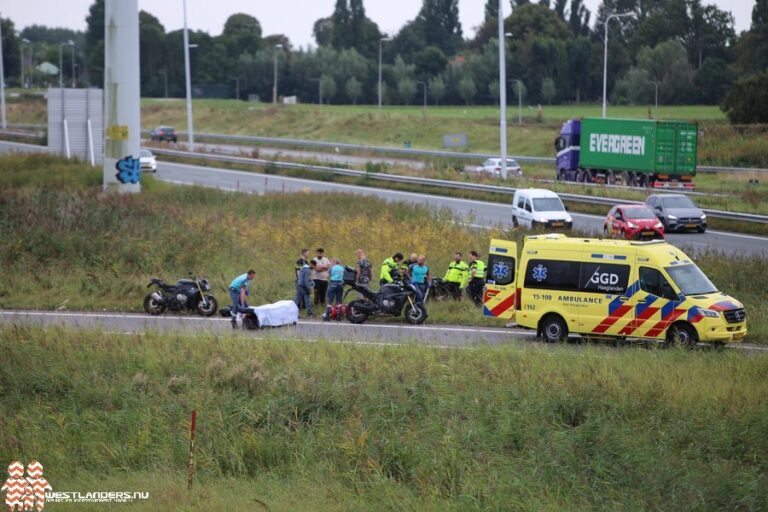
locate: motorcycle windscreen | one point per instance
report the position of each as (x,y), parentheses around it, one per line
(500,292)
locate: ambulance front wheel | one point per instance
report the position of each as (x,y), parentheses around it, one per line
(682,334)
(553,329)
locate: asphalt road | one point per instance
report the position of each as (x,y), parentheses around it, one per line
(474,213)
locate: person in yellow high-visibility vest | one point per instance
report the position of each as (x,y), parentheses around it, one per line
(457,275)
(389,269)
(476,278)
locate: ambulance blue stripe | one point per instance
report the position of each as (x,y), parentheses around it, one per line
(650,299)
(667,308)
(487,312)
(693,312)
(615,303)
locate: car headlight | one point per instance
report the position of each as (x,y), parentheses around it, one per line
(632,226)
(704,217)
(658,225)
(671,217)
(542,220)
(709,313)
(568,219)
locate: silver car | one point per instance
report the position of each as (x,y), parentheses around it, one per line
(492,166)
(148,161)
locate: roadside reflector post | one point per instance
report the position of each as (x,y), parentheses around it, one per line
(192,428)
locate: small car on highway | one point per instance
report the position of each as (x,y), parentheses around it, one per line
(677,212)
(164,134)
(538,208)
(148,161)
(492,166)
(633,222)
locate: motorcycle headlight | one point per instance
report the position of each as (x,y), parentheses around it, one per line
(709,313)
(672,217)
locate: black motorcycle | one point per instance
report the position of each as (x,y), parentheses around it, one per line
(192,294)
(392,299)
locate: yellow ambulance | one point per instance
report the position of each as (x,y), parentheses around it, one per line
(608,288)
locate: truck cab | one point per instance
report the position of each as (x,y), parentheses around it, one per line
(567,147)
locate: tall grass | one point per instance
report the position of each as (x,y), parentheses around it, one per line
(367,428)
(66,245)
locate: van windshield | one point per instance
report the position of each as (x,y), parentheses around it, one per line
(548,204)
(691,280)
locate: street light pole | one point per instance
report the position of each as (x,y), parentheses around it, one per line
(656,97)
(2,82)
(190,128)
(381,40)
(502,93)
(274,86)
(73,64)
(61,62)
(605,54)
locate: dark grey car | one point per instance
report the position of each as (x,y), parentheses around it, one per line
(677,212)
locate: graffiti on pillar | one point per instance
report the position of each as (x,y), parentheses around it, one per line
(128,170)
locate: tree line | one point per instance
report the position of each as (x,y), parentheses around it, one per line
(684,51)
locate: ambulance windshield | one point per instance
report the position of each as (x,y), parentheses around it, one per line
(690,279)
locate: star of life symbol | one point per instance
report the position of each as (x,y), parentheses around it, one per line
(539,272)
(500,271)
(25,493)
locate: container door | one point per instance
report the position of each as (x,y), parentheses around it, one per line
(666,145)
(687,140)
(500,294)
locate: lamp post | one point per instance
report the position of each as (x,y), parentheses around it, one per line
(2,82)
(188,80)
(605,53)
(519,100)
(73,64)
(61,62)
(164,72)
(424,84)
(502,93)
(656,96)
(274,86)
(28,62)
(381,40)
(319,89)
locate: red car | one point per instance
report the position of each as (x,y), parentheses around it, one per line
(633,222)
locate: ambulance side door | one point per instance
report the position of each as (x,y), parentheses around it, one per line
(500,292)
(609,283)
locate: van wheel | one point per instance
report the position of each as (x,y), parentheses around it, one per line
(514,221)
(683,335)
(553,329)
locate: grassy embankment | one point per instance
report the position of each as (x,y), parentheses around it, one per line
(339,427)
(65,244)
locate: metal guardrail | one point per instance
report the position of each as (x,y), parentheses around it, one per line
(393,150)
(416,180)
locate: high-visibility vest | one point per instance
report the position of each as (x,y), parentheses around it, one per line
(387,268)
(479,267)
(457,273)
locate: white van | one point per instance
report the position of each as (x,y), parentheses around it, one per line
(538,208)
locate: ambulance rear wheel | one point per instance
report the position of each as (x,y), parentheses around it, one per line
(683,335)
(553,329)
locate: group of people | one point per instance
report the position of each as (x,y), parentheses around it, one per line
(459,276)
(320,280)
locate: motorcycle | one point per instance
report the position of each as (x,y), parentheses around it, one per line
(392,299)
(190,294)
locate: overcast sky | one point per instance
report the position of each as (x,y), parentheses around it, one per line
(294,18)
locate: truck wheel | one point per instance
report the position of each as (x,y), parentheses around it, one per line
(561,175)
(553,329)
(585,177)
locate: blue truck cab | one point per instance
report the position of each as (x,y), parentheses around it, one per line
(567,146)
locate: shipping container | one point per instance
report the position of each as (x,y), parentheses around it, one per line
(633,151)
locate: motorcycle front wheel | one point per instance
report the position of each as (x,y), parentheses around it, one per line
(208,307)
(355,314)
(152,306)
(415,314)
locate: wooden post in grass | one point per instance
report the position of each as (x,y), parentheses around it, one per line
(192,449)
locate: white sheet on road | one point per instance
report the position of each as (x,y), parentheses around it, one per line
(283,312)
